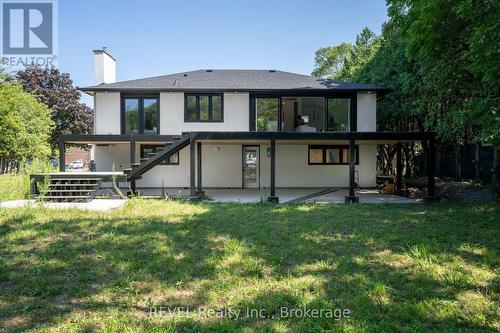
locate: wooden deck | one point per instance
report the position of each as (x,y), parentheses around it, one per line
(72,186)
(104,176)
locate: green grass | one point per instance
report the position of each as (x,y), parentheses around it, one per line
(13,186)
(397,268)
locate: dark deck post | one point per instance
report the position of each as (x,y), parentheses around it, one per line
(132,151)
(62,154)
(431,152)
(192,168)
(352,156)
(200,192)
(132,161)
(399,167)
(272,197)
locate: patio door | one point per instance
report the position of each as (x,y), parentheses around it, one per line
(250,167)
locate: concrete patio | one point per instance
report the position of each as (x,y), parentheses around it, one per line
(284,194)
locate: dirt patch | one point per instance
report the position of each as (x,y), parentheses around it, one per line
(465,192)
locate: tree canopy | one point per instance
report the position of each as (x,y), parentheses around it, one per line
(56,90)
(441,58)
(25,125)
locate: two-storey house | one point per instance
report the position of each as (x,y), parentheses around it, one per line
(236,129)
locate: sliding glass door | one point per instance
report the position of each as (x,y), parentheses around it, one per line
(150,107)
(140,115)
(338,114)
(301,114)
(267,114)
(131,113)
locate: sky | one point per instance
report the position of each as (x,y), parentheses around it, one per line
(150,38)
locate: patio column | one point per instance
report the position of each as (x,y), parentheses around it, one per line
(352,156)
(431,152)
(132,151)
(399,167)
(192,170)
(132,161)
(200,192)
(272,197)
(62,154)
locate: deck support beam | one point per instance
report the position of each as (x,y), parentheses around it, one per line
(272,197)
(192,169)
(62,154)
(351,198)
(431,155)
(200,191)
(132,160)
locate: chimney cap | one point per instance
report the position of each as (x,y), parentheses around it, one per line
(104,50)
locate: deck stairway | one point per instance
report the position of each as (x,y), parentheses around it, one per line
(81,189)
(162,154)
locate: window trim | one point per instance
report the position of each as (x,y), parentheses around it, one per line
(325,147)
(166,162)
(141,98)
(198,120)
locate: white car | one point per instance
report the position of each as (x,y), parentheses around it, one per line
(77,164)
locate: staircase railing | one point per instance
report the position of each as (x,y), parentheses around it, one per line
(169,150)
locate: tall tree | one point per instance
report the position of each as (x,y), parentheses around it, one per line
(441,59)
(330,60)
(456,45)
(56,90)
(25,125)
(364,49)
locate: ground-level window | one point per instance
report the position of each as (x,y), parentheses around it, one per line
(330,154)
(338,111)
(203,108)
(146,150)
(140,115)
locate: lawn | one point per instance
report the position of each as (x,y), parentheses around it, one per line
(394,268)
(13,187)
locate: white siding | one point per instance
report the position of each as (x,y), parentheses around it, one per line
(222,165)
(236,114)
(222,168)
(106,155)
(172,175)
(107,113)
(367,112)
(293,170)
(367,165)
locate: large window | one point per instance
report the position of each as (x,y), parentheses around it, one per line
(267,114)
(203,108)
(140,115)
(146,150)
(327,154)
(338,110)
(312,112)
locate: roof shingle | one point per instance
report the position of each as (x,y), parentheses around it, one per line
(232,80)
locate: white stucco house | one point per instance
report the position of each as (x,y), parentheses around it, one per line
(235,129)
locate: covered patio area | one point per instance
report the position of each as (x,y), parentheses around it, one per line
(350,139)
(285,194)
(283,190)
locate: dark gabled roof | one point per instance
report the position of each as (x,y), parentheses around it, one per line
(232,80)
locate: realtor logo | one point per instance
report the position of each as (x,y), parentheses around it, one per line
(28,28)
